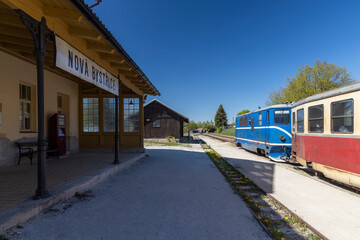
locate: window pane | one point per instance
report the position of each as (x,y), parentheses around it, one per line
(282,117)
(109,114)
(21,116)
(316,112)
(90,115)
(131,115)
(300,120)
(342,124)
(316,125)
(260,119)
(293,121)
(344,108)
(156,123)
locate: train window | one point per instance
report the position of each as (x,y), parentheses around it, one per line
(243,121)
(316,118)
(267,117)
(282,117)
(342,116)
(260,119)
(300,120)
(293,122)
(249,121)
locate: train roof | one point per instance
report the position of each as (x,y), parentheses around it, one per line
(331,93)
(285,105)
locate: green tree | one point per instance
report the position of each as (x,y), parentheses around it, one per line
(220,117)
(309,80)
(243,112)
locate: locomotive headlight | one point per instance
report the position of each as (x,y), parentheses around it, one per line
(282,138)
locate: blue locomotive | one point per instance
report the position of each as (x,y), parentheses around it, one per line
(266,131)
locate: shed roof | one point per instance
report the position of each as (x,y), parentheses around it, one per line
(177,113)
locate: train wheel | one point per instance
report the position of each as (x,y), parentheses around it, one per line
(319,174)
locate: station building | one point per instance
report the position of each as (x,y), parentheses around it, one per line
(56,56)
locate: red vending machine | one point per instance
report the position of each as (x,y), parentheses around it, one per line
(57,133)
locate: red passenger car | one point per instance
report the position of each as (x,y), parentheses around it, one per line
(326,133)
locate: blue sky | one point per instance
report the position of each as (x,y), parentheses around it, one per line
(203,53)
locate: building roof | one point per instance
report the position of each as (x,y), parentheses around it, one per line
(177,113)
(91,16)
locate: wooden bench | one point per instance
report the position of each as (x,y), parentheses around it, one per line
(25,150)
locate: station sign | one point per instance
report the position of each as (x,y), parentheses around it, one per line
(73,61)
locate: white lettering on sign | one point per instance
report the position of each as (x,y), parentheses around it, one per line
(76,63)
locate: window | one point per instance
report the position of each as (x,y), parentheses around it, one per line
(300,120)
(316,118)
(260,119)
(90,114)
(243,121)
(109,114)
(282,117)
(342,116)
(131,115)
(249,120)
(267,117)
(25,107)
(156,123)
(293,122)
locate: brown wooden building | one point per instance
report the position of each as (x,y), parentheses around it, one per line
(162,121)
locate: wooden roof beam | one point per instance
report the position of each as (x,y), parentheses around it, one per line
(11,20)
(100,47)
(128,73)
(17,40)
(84,33)
(112,58)
(120,66)
(15,32)
(62,13)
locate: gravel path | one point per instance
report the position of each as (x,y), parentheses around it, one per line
(175,193)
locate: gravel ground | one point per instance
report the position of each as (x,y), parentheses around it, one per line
(175,193)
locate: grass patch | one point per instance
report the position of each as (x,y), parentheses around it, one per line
(229,132)
(171,144)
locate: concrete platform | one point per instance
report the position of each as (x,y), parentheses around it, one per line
(65,177)
(333,211)
(176,193)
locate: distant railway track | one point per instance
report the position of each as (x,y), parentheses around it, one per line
(221,137)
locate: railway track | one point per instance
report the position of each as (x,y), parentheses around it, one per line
(221,137)
(294,166)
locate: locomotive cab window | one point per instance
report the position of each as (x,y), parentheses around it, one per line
(300,120)
(342,116)
(316,118)
(282,117)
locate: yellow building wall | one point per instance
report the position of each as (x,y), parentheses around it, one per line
(15,71)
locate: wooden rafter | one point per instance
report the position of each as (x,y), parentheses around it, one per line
(62,13)
(120,66)
(100,47)
(112,58)
(84,33)
(15,32)
(16,40)
(128,73)
(11,20)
